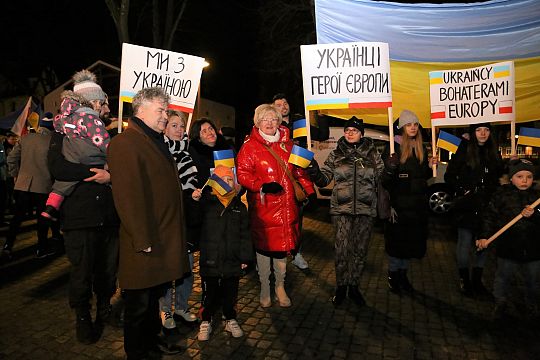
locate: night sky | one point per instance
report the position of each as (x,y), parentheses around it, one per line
(244,41)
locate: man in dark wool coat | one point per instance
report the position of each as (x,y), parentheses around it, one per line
(148,198)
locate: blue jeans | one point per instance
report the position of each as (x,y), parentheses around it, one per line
(506,269)
(183,292)
(466,243)
(395,264)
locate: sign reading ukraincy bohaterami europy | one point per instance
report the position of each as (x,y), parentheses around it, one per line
(346,75)
(178,74)
(471,96)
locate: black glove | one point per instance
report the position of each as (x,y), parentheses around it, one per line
(311,202)
(313,169)
(271,188)
(392,162)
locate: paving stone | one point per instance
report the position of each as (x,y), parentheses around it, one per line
(436,323)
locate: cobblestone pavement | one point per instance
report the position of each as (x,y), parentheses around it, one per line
(436,323)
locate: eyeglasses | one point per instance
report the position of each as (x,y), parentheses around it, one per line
(269,121)
(352,131)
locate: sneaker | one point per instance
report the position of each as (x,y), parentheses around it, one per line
(167,320)
(43,253)
(300,262)
(185,315)
(50,213)
(204,331)
(233,327)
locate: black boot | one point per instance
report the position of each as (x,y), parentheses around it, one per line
(478,287)
(465,282)
(103,312)
(393,282)
(341,292)
(356,296)
(404,281)
(84,328)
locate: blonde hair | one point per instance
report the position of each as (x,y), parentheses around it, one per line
(180,114)
(264,109)
(407,147)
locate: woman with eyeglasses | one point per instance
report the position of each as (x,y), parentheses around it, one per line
(355,166)
(405,178)
(264,170)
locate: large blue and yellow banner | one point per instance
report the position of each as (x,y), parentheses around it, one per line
(424,38)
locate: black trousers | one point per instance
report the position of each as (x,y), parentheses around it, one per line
(93,254)
(219,291)
(142,323)
(23,201)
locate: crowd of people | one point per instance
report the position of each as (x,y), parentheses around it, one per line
(134,208)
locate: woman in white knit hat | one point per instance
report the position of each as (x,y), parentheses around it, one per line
(405,178)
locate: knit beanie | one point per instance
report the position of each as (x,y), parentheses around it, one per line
(473,127)
(518,165)
(355,123)
(47,121)
(85,85)
(407,117)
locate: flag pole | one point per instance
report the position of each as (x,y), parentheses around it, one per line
(308,128)
(391,130)
(120,114)
(510,223)
(433,149)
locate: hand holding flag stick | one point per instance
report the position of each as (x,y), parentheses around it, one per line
(484,243)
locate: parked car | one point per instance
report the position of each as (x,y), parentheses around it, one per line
(440,194)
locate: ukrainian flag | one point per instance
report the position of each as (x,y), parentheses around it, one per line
(299,128)
(224,157)
(218,184)
(300,156)
(529,136)
(448,141)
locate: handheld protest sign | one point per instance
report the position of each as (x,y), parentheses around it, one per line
(354,75)
(473,96)
(178,74)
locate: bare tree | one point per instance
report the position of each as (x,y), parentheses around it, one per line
(285,25)
(164,20)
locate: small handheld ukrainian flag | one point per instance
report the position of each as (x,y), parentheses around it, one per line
(218,184)
(299,128)
(224,157)
(448,141)
(300,156)
(529,136)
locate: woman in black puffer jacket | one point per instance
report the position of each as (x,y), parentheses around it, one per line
(355,166)
(405,178)
(474,172)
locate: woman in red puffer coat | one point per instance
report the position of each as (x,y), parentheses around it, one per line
(274,218)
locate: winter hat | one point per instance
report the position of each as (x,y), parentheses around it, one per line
(355,123)
(33,120)
(518,165)
(47,121)
(85,85)
(473,127)
(222,171)
(407,117)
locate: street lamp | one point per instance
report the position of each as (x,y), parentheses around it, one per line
(206,64)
